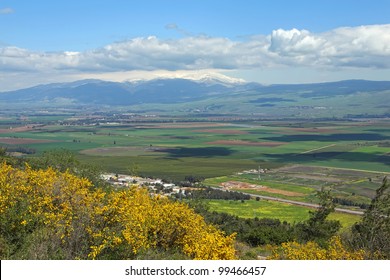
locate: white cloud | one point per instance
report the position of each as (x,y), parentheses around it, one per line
(362,47)
(5,11)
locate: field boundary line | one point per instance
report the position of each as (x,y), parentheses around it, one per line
(306,152)
(351,169)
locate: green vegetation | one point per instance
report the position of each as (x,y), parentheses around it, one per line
(274,210)
(285,159)
(261,209)
(372,233)
(170,168)
(318,232)
(48,214)
(318,228)
(211,149)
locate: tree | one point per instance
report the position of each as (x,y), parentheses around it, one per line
(133,169)
(58,159)
(14,161)
(3,152)
(317,227)
(193,179)
(372,233)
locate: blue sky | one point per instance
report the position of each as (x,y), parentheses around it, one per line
(264,41)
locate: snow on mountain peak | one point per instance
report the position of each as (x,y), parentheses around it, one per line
(198,76)
(213,77)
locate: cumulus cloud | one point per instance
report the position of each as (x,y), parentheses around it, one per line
(149,53)
(357,47)
(23,60)
(363,46)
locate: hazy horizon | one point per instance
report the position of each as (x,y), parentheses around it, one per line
(283,42)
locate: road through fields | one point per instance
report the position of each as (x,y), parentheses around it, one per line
(305,204)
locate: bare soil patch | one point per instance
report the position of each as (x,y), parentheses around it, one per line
(317,130)
(318,178)
(16,129)
(109,150)
(246,186)
(222,131)
(21,141)
(246,143)
(182,125)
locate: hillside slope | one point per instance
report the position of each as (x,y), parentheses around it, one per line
(213,96)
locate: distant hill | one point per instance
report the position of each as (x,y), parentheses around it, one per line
(213,95)
(127,93)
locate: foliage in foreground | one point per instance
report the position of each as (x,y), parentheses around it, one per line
(312,251)
(369,238)
(259,232)
(47,214)
(254,232)
(372,233)
(318,228)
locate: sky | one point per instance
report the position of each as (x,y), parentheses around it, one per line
(262,41)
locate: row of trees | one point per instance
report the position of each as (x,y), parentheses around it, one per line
(348,202)
(211,193)
(18,149)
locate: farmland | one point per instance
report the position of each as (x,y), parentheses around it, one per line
(222,147)
(285,159)
(274,210)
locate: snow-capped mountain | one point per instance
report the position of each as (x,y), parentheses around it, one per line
(211,94)
(198,76)
(156,90)
(214,77)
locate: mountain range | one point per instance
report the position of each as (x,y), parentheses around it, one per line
(212,95)
(162,90)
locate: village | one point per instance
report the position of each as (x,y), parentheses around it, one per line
(157,186)
(160,186)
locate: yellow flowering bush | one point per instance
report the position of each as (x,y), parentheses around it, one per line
(51,214)
(312,251)
(136,220)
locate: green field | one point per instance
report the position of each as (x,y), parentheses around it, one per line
(211,149)
(176,149)
(299,157)
(274,210)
